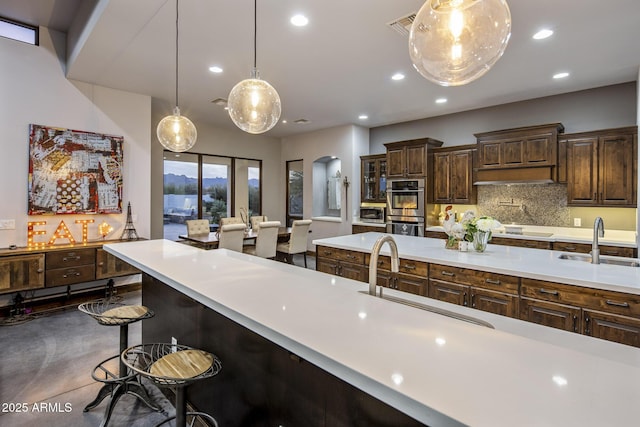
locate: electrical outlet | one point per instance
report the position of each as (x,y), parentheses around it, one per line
(7,224)
(577,222)
(174,344)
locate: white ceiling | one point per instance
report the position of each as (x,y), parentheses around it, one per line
(340,65)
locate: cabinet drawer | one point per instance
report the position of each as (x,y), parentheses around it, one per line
(407,266)
(522,243)
(611,302)
(341,254)
(71,257)
(70,275)
(585,248)
(481,279)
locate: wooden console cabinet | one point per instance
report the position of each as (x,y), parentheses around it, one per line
(21,273)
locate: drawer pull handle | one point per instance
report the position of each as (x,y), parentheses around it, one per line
(617,304)
(101,264)
(75,258)
(409,267)
(569,248)
(380,262)
(544,291)
(327,252)
(446,273)
(351,257)
(493,282)
(612,253)
(39,270)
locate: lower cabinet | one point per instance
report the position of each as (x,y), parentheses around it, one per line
(108,266)
(343,263)
(522,243)
(551,314)
(356,229)
(585,248)
(491,292)
(21,272)
(411,276)
(611,327)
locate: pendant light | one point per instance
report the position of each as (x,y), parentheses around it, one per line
(254,105)
(176,133)
(454,42)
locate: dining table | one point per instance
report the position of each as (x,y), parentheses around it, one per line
(210,240)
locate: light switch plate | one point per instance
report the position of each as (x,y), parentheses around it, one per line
(577,222)
(7,224)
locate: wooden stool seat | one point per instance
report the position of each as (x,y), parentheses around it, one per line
(124,313)
(182,364)
(110,313)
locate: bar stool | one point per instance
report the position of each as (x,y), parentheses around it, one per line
(174,365)
(109,312)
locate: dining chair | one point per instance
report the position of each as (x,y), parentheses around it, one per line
(231,236)
(197,227)
(256,220)
(297,244)
(266,241)
(231,220)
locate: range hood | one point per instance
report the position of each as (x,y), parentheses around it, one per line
(524,175)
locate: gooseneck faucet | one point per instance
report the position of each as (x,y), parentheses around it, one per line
(373,262)
(598,231)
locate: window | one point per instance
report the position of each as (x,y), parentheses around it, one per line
(294,190)
(208,187)
(18,31)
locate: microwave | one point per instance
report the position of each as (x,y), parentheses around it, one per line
(372,214)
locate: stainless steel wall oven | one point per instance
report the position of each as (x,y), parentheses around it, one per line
(405,206)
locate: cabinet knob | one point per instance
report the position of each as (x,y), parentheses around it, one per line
(39,270)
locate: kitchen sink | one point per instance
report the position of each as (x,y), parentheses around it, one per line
(603,260)
(440,311)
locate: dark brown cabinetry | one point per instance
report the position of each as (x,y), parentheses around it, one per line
(408,159)
(613,316)
(602,168)
(21,272)
(340,262)
(531,153)
(411,276)
(495,293)
(355,229)
(585,248)
(522,243)
(108,265)
(374,178)
(453,175)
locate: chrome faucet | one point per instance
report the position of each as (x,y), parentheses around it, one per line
(598,231)
(373,262)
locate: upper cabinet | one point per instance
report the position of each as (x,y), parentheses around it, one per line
(408,159)
(374,178)
(529,153)
(453,175)
(602,167)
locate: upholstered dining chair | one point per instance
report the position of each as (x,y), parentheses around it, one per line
(197,227)
(231,236)
(297,244)
(266,241)
(231,220)
(256,220)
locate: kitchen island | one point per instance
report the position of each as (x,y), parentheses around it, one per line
(437,370)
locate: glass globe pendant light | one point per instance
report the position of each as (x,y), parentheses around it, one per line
(454,42)
(254,105)
(176,132)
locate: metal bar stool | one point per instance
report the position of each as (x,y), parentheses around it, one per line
(109,312)
(174,365)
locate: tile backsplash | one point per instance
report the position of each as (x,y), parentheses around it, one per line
(532,204)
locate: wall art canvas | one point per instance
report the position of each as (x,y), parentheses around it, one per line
(74,172)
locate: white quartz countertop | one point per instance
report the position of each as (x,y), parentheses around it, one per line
(565,234)
(523,262)
(441,371)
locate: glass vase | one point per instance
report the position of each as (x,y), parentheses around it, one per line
(480,240)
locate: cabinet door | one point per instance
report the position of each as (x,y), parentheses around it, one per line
(462,190)
(108,265)
(327,266)
(513,152)
(615,156)
(539,151)
(442,177)
(550,314)
(621,329)
(382,180)
(449,292)
(489,154)
(369,180)
(582,172)
(412,284)
(416,161)
(494,302)
(353,271)
(396,163)
(21,272)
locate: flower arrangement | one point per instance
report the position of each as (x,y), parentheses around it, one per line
(470,228)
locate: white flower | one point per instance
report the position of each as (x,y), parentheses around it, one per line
(487,224)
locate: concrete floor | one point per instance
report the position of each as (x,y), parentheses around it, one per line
(46,364)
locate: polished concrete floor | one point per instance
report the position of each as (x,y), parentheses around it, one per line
(45,371)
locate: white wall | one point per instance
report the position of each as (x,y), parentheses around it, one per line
(34,90)
(222,142)
(347,143)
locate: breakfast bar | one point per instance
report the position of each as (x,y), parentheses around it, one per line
(383,363)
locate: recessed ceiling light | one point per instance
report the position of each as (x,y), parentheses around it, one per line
(363,117)
(215,69)
(397,76)
(543,34)
(441,101)
(299,20)
(560,75)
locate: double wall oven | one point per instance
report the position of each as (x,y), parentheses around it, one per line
(405,206)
